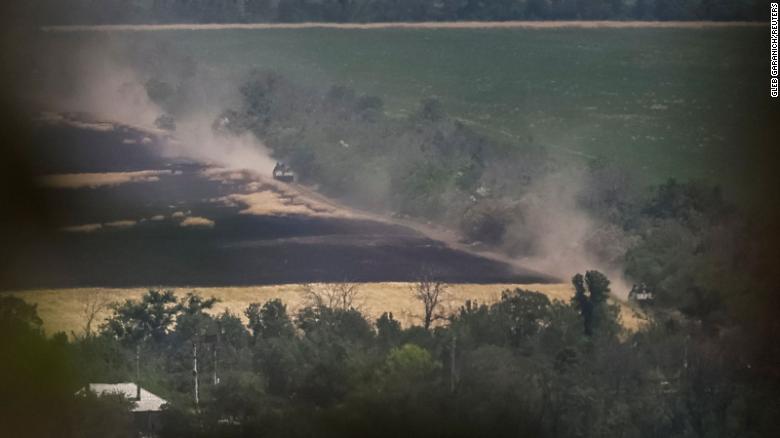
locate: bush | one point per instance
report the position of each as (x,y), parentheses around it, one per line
(485,222)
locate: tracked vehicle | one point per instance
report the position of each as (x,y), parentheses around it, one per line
(282,172)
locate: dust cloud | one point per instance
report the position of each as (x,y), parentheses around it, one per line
(564,238)
(194,138)
(109,85)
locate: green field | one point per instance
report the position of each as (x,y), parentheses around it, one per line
(679,102)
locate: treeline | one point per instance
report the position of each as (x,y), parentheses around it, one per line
(224,11)
(522,366)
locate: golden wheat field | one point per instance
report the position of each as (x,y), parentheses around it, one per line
(63,310)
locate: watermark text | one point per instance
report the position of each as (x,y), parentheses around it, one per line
(773,65)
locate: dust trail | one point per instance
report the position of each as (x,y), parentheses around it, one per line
(564,237)
(194,138)
(107,86)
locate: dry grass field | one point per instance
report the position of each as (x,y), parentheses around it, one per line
(64,309)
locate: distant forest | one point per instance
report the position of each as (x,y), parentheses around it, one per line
(223,11)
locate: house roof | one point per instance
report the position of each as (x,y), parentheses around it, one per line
(148,403)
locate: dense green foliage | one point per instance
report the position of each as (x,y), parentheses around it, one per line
(590,299)
(521,366)
(426,165)
(210,11)
(38,379)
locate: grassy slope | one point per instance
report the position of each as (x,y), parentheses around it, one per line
(663,102)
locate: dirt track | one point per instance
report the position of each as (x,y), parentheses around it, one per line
(408,25)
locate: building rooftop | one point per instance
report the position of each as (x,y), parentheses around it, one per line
(148,403)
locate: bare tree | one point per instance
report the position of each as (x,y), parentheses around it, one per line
(93,304)
(342,295)
(432,294)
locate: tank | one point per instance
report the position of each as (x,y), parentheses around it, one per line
(282,172)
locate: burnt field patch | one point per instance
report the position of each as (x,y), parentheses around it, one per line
(251,250)
(176,230)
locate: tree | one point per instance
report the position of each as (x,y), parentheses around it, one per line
(269,320)
(325,323)
(486,221)
(261,98)
(35,373)
(160,93)
(231,330)
(341,295)
(16,313)
(402,397)
(525,313)
(431,293)
(590,296)
(689,246)
(405,366)
(518,317)
(498,393)
(151,317)
(331,337)
(193,323)
(94,303)
(98,416)
(239,399)
(194,304)
(388,330)
(692,203)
